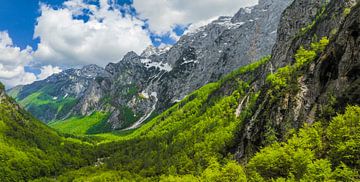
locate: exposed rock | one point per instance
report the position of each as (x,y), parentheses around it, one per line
(328,84)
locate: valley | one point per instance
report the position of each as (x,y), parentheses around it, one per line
(232,101)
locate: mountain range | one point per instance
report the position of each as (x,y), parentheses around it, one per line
(270,94)
(141,86)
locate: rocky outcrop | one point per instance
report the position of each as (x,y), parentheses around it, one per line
(320,89)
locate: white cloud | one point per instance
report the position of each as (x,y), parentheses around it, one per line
(163,15)
(12,62)
(106,37)
(194,26)
(47,71)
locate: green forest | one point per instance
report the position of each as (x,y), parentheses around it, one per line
(191,141)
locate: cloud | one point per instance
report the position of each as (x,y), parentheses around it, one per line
(47,71)
(67,40)
(12,62)
(163,15)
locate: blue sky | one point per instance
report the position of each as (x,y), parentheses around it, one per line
(40,38)
(18,17)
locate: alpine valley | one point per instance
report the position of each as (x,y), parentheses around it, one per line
(269,94)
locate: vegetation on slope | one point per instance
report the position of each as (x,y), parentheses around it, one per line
(191,138)
(319,152)
(315,153)
(81,125)
(29,149)
(41,101)
(193,141)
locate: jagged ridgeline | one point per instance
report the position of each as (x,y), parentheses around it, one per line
(292,116)
(139,87)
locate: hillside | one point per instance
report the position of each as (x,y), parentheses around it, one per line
(291,116)
(30,149)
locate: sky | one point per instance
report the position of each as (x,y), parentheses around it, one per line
(41,37)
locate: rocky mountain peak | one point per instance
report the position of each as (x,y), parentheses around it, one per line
(160,76)
(93,71)
(156,51)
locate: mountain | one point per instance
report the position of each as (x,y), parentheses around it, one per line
(269,121)
(291,116)
(140,87)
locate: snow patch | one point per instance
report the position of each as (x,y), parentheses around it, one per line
(189,61)
(226,22)
(162,66)
(151,50)
(248,10)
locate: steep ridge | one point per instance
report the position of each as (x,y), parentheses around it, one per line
(160,77)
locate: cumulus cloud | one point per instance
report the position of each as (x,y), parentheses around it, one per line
(47,71)
(12,62)
(106,36)
(163,15)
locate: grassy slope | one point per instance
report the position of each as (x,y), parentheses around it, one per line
(79,125)
(40,101)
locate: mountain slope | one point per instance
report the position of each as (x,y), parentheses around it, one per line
(142,86)
(288,114)
(55,97)
(29,149)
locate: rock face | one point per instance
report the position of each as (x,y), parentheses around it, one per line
(321,88)
(139,86)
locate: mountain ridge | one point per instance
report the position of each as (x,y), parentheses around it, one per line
(199,57)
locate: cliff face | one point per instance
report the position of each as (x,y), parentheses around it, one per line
(139,86)
(317,89)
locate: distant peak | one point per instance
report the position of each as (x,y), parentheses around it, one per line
(130,55)
(91,67)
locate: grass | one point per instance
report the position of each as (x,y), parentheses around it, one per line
(79,125)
